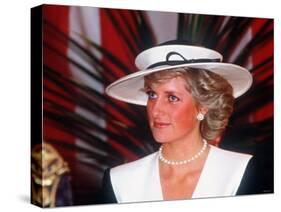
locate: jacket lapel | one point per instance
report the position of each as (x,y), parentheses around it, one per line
(137,181)
(222,173)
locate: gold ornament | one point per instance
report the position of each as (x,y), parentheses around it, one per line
(47,167)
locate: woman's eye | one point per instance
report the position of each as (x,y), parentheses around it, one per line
(173,98)
(151,94)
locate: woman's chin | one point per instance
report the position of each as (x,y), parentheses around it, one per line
(162,136)
(161,140)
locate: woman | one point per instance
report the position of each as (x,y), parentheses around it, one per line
(189,95)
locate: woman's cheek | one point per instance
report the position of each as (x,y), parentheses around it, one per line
(184,117)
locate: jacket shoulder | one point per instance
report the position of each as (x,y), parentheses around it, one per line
(128,180)
(131,167)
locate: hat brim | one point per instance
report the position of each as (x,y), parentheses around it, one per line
(129,88)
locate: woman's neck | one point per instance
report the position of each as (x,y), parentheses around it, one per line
(183,149)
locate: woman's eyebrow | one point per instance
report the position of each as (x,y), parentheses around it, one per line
(173,92)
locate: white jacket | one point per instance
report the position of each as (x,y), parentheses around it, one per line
(139,181)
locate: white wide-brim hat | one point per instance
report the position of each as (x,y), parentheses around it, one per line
(168,57)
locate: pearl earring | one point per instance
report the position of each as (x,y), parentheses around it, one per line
(200,116)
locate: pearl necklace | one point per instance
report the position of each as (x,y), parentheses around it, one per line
(182,162)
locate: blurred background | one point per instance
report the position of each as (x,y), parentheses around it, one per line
(87,48)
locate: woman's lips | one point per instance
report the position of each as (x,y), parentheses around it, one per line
(160,125)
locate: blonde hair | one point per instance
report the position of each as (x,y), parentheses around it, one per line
(209,90)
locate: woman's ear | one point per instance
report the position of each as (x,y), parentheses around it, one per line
(203,110)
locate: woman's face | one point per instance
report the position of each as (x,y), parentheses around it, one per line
(171,111)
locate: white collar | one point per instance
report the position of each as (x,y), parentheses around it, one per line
(140,180)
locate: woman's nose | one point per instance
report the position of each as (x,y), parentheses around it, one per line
(158,107)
